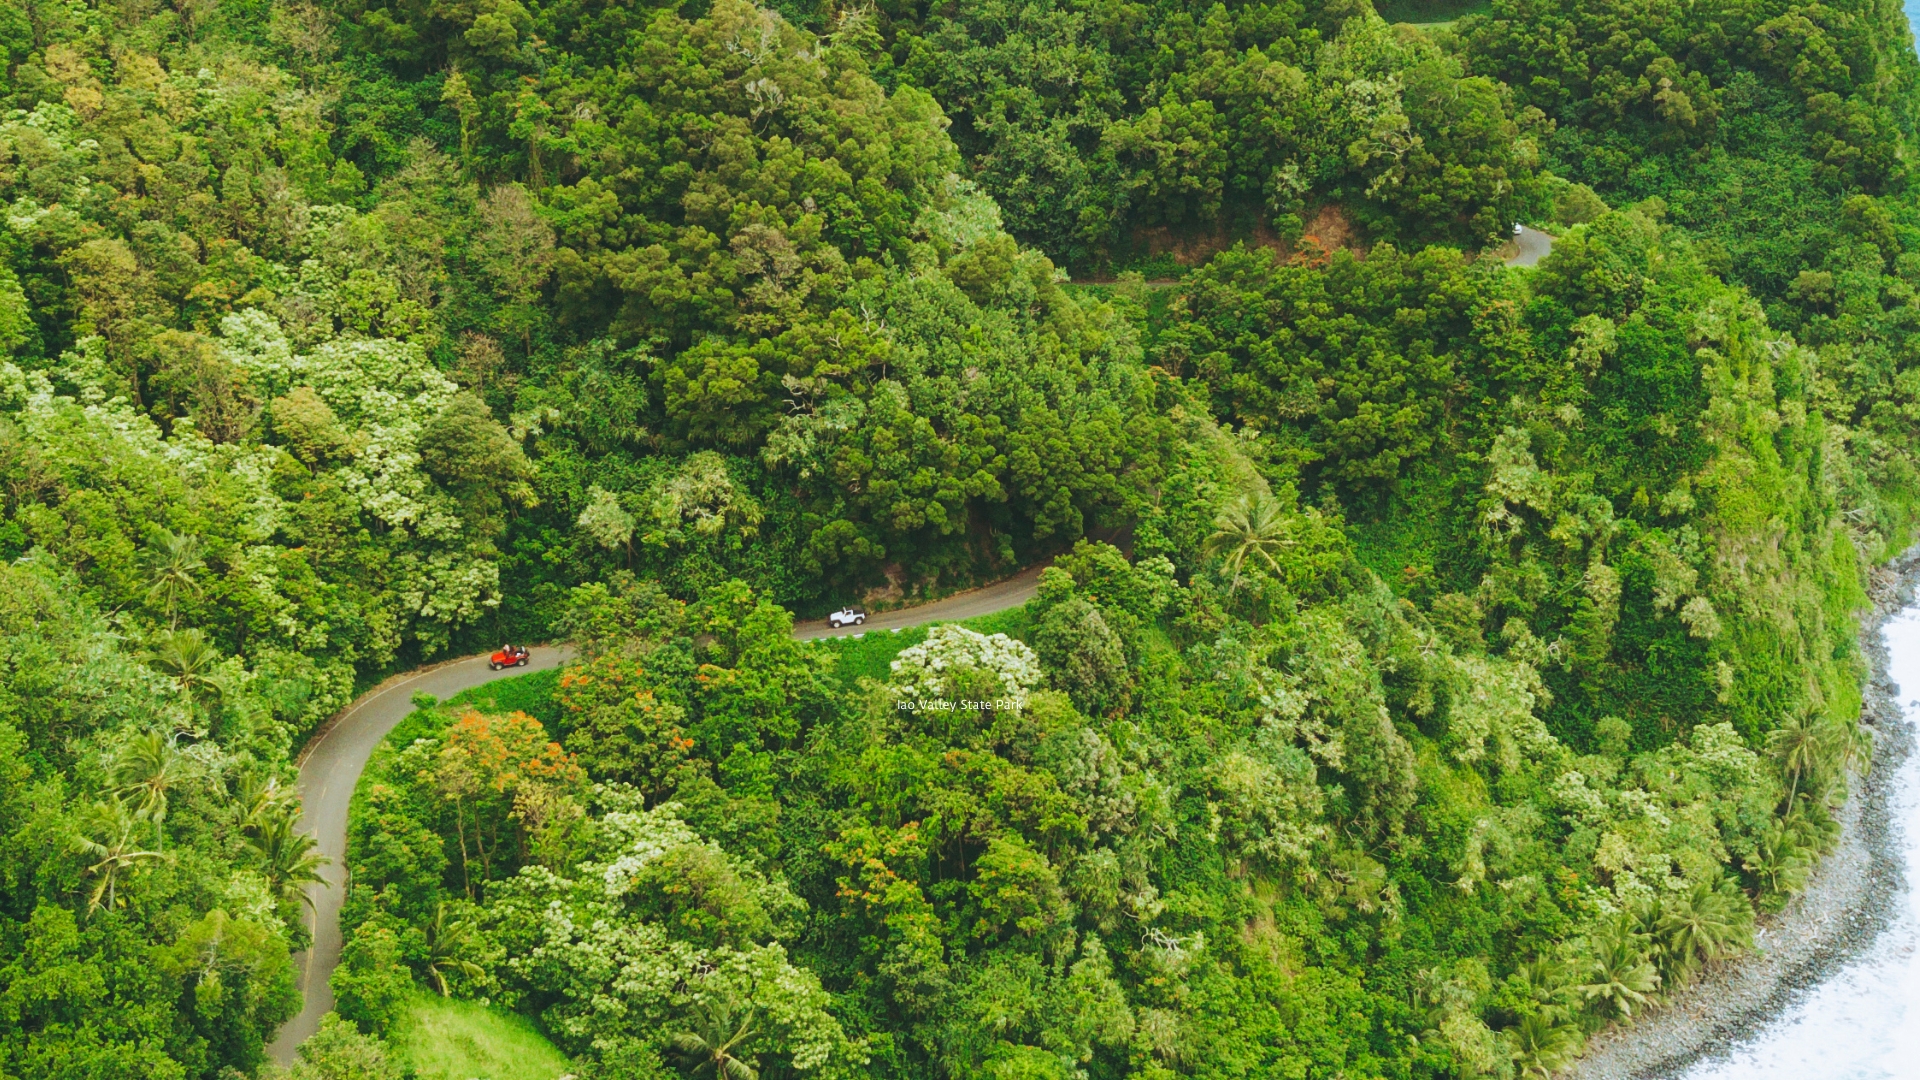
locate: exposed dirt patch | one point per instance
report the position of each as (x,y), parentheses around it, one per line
(1329,230)
(1192,247)
(889,594)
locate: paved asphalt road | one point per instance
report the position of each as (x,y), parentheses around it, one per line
(331,766)
(329,769)
(1532,245)
(985,600)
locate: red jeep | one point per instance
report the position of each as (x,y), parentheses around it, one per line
(508,656)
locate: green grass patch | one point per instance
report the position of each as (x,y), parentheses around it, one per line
(871,654)
(532,693)
(443,1039)
(1014,622)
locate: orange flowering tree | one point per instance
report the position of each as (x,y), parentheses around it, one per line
(507,783)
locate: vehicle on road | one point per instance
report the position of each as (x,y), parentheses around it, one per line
(508,656)
(846,616)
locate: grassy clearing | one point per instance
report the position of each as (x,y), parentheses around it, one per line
(531,694)
(441,1039)
(871,654)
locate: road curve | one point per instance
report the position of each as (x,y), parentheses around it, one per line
(330,769)
(1530,246)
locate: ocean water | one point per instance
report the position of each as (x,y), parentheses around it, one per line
(1864,1022)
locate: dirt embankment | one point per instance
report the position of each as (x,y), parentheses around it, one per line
(1328,231)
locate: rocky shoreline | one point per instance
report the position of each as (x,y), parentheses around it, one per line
(1847,902)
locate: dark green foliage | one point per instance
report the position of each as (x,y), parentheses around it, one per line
(371,986)
(1084,655)
(1114,133)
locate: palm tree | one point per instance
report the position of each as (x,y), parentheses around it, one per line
(1251,527)
(171,564)
(448,940)
(1852,744)
(260,801)
(716,1040)
(186,656)
(149,766)
(1705,924)
(1618,974)
(108,837)
(1778,860)
(288,859)
(1543,1046)
(1801,745)
(1546,979)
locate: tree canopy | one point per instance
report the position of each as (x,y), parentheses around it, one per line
(1434,660)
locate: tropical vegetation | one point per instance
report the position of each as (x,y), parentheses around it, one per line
(1435,660)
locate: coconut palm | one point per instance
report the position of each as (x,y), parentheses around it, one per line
(287,858)
(148,767)
(108,832)
(1618,975)
(262,800)
(1251,527)
(1546,978)
(1702,925)
(1780,861)
(1852,744)
(1801,745)
(171,563)
(187,658)
(449,939)
(716,1040)
(1542,1045)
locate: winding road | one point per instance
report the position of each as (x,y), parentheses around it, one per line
(329,769)
(973,603)
(331,764)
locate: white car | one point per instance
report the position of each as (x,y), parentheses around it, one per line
(846,616)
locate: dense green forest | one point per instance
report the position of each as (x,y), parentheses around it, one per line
(1436,660)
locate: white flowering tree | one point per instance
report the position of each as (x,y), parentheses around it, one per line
(360,409)
(935,667)
(606,520)
(622,978)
